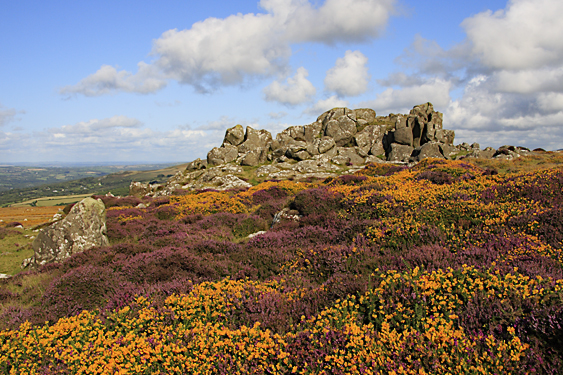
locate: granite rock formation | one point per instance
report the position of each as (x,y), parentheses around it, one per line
(340,140)
(84,227)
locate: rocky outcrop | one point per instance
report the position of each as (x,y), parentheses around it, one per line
(341,140)
(84,227)
(346,136)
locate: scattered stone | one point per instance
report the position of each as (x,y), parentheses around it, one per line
(197,165)
(252,235)
(286,214)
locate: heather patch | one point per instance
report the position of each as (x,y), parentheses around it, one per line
(444,267)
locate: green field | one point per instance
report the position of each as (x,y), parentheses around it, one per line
(52,201)
(66,191)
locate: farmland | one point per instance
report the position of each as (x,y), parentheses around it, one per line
(61,185)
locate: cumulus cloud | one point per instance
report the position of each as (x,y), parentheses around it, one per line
(435,90)
(8,115)
(324,105)
(508,73)
(111,139)
(334,21)
(223,123)
(349,77)
(242,47)
(528,80)
(277,115)
(108,80)
(494,118)
(297,90)
(525,35)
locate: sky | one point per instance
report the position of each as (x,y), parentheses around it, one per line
(145,81)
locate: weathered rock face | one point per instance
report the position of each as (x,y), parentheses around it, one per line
(340,140)
(400,152)
(84,227)
(196,165)
(221,155)
(234,136)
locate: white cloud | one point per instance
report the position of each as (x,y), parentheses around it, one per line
(528,81)
(222,51)
(297,90)
(112,139)
(8,115)
(436,91)
(495,119)
(525,35)
(324,105)
(509,71)
(237,49)
(107,80)
(277,115)
(334,21)
(349,77)
(550,102)
(223,123)
(92,126)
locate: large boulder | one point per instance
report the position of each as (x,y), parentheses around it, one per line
(429,150)
(255,139)
(403,131)
(234,136)
(348,156)
(83,228)
(298,151)
(341,129)
(365,116)
(370,140)
(222,155)
(196,165)
(255,157)
(400,152)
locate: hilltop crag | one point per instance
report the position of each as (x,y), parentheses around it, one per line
(340,140)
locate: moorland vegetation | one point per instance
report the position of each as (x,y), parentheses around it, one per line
(439,268)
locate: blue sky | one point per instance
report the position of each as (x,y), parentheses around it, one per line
(145,81)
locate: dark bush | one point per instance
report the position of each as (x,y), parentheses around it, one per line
(111,201)
(436,177)
(83,288)
(316,201)
(267,195)
(13,224)
(347,179)
(7,232)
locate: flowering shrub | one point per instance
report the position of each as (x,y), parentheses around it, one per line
(441,268)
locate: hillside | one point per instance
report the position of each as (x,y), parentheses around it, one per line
(438,267)
(27,185)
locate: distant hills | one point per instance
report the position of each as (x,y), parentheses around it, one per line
(27,183)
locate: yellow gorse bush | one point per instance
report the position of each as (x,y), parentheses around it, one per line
(190,333)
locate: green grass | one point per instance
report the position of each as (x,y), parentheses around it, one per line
(116,183)
(14,248)
(53,201)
